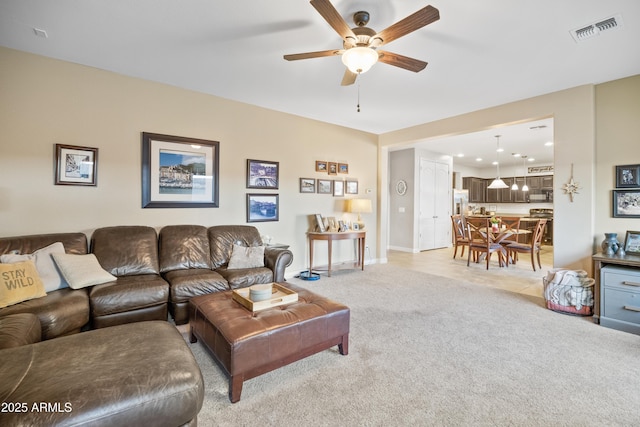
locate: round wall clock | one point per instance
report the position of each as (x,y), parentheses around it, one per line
(401,187)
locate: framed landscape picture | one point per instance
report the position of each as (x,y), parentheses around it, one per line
(262,174)
(626,203)
(307,185)
(627,176)
(325,186)
(76,165)
(179,172)
(262,207)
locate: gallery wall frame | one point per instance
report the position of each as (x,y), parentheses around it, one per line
(325,186)
(351,186)
(263,174)
(307,185)
(628,176)
(262,207)
(626,203)
(75,165)
(338,187)
(179,172)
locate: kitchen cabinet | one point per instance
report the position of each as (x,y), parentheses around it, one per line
(502,195)
(477,189)
(538,185)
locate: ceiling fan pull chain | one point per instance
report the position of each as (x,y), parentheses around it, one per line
(358,96)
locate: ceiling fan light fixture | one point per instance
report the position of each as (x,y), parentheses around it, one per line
(359,59)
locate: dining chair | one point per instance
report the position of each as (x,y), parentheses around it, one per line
(460,234)
(511,223)
(481,242)
(533,248)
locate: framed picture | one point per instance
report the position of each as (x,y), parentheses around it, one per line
(333,168)
(626,203)
(343,168)
(321,166)
(262,174)
(627,176)
(351,186)
(179,172)
(320,223)
(307,185)
(76,165)
(632,243)
(338,188)
(325,186)
(262,207)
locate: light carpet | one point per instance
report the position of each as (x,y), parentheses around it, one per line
(428,350)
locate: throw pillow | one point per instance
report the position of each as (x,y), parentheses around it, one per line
(19,282)
(82,270)
(49,274)
(246,257)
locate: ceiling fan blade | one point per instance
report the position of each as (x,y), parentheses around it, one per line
(349,78)
(401,61)
(419,19)
(331,15)
(307,55)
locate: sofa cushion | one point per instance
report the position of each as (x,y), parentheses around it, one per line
(186,284)
(81,271)
(246,257)
(19,329)
(126,250)
(61,312)
(243,277)
(182,247)
(223,237)
(47,269)
(74,243)
(19,282)
(128,293)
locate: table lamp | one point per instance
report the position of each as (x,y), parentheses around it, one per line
(359,206)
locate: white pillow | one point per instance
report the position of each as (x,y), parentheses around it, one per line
(82,270)
(246,257)
(47,270)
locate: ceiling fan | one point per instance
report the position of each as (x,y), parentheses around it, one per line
(360,44)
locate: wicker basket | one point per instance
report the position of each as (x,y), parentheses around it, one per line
(577,300)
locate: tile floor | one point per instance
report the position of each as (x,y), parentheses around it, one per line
(516,278)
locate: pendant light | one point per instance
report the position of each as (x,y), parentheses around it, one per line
(498,182)
(525,187)
(514,186)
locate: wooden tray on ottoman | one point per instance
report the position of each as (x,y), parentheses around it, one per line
(281,296)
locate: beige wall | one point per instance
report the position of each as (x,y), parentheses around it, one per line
(574,124)
(46,101)
(618,136)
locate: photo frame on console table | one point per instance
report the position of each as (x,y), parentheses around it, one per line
(75,165)
(179,172)
(628,176)
(632,243)
(262,207)
(626,203)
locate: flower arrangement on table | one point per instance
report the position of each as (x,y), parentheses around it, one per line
(495,223)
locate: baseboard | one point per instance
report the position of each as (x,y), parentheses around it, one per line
(402,249)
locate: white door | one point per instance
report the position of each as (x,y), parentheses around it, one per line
(435,205)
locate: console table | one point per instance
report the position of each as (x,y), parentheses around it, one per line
(329,237)
(599,261)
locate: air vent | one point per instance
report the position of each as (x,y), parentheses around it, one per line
(594,29)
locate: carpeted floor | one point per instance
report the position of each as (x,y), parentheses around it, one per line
(428,350)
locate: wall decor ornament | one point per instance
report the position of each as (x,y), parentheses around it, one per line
(401,187)
(571,187)
(179,172)
(75,165)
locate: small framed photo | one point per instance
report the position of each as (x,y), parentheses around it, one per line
(351,186)
(321,166)
(627,176)
(76,165)
(632,243)
(333,168)
(262,207)
(343,168)
(626,203)
(338,188)
(320,223)
(307,185)
(325,186)
(355,226)
(262,174)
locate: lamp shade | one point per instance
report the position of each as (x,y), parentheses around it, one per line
(359,59)
(359,206)
(498,183)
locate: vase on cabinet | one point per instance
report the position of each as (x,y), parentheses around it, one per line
(610,243)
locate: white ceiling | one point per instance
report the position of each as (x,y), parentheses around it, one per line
(480,53)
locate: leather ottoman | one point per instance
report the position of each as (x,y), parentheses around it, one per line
(247,344)
(138,374)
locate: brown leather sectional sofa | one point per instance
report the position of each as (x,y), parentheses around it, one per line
(157,272)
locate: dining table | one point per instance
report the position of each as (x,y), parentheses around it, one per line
(501,234)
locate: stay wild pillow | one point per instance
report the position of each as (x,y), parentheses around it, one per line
(19,282)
